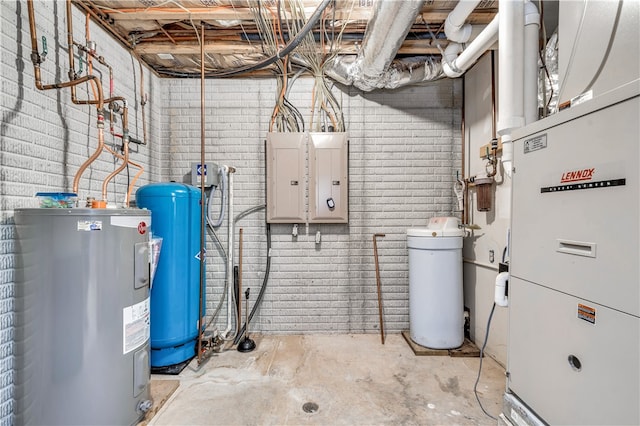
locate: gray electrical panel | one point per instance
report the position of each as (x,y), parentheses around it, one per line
(328,178)
(208,171)
(326,173)
(286,177)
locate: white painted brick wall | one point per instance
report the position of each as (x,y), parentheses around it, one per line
(45,138)
(404,147)
(404,151)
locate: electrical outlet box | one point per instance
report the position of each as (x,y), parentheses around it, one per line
(285,177)
(328,178)
(208,171)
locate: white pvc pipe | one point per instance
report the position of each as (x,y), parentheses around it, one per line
(230,235)
(531,37)
(511,66)
(500,296)
(454,26)
(470,55)
(507,155)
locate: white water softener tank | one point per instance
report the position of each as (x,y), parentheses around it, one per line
(82,316)
(436,306)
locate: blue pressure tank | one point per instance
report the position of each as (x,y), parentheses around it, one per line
(175,217)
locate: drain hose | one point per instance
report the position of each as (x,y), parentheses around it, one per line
(262,288)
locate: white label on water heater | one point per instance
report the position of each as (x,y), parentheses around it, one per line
(135,326)
(89,225)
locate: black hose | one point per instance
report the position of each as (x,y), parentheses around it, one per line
(236,285)
(256,305)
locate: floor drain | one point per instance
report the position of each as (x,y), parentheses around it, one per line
(310,407)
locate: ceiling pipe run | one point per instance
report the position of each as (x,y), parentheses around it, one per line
(455,27)
(457,61)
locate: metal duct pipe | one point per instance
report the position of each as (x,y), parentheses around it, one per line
(511,63)
(385,33)
(400,73)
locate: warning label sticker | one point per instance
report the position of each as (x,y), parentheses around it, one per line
(135,326)
(535,144)
(586,313)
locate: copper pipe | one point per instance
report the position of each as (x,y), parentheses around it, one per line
(133,181)
(135,178)
(464,150)
(96,154)
(493,96)
(72,67)
(143,102)
(202,195)
(125,148)
(36,59)
(493,160)
(100,20)
(375,255)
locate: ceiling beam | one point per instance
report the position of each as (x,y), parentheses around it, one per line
(409,47)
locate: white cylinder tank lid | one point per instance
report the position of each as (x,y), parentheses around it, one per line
(438,227)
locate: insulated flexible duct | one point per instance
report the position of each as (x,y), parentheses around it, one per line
(374,66)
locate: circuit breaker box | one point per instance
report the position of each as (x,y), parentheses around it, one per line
(286,177)
(328,178)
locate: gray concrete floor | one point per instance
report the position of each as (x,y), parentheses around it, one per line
(353,379)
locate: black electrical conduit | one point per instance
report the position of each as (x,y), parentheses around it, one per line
(313,20)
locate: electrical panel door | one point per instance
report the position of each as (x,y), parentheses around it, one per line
(285,177)
(328,178)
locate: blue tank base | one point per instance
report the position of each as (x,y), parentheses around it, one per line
(167,357)
(171,369)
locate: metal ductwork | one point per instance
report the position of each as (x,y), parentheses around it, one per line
(374,66)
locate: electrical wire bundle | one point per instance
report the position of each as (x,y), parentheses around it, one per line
(326,111)
(287,23)
(285,116)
